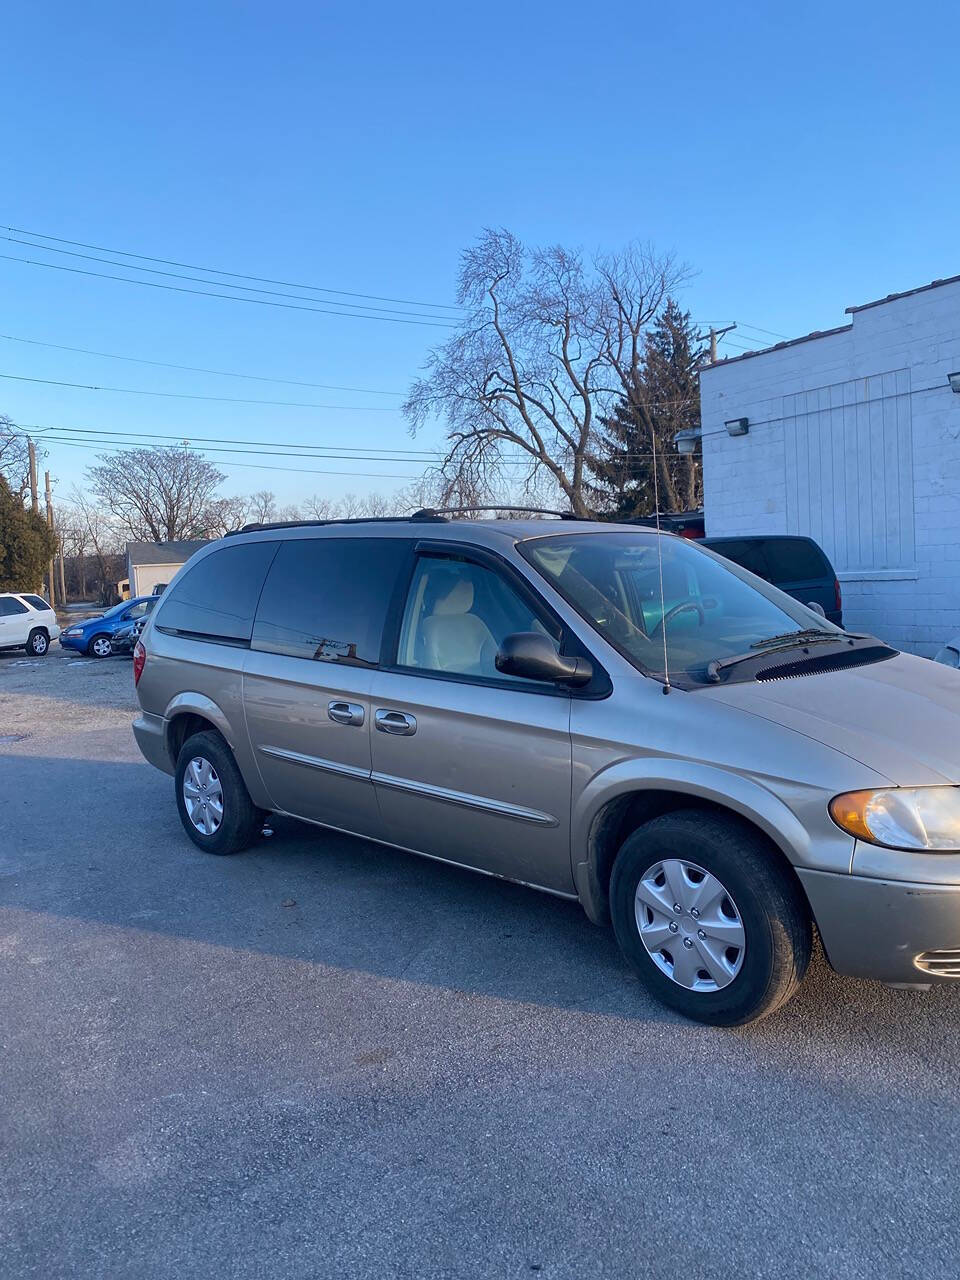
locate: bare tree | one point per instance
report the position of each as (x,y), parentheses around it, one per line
(158,495)
(90,533)
(223,515)
(547,345)
(15,457)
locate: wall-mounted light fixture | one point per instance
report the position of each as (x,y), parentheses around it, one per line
(686,440)
(737,426)
(954,380)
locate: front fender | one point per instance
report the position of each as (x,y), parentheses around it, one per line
(810,840)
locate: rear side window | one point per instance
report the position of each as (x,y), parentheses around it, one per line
(327,598)
(37,602)
(218,597)
(796,560)
(746,552)
(10,607)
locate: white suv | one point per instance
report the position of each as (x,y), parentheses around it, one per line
(26,622)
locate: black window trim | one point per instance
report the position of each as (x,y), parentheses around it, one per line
(448,549)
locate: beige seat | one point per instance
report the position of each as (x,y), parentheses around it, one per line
(456,639)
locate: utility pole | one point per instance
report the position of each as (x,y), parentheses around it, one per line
(34,500)
(714,335)
(49,497)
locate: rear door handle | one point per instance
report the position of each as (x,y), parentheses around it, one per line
(395,722)
(345,712)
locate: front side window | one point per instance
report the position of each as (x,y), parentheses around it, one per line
(137,611)
(327,598)
(457,615)
(708,610)
(217,597)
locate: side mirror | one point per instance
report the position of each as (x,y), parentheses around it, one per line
(817,608)
(533,656)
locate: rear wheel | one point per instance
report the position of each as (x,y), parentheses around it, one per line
(38,642)
(99,647)
(712,921)
(212,799)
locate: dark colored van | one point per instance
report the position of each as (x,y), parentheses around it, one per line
(796,565)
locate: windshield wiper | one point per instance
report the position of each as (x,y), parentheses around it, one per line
(807,635)
(775,644)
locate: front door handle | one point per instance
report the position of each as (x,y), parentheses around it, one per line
(345,712)
(396,722)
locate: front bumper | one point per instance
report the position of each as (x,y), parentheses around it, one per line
(874,928)
(151,735)
(73,642)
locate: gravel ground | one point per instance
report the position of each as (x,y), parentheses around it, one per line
(326,1059)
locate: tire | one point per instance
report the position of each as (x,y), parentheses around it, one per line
(38,643)
(99,646)
(239,819)
(762,906)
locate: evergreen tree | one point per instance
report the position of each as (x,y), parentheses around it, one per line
(664,399)
(26,544)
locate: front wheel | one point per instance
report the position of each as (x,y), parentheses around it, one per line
(38,642)
(99,647)
(707,914)
(212,798)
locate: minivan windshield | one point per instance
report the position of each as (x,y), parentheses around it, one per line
(709,610)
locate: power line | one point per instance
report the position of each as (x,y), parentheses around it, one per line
(267,444)
(206,293)
(235,275)
(184,395)
(258,466)
(188,368)
(360,308)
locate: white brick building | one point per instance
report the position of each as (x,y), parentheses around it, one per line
(853,439)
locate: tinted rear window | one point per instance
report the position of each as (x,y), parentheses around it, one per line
(37,602)
(746,552)
(218,596)
(796,560)
(327,598)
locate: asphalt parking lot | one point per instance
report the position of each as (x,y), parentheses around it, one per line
(324,1058)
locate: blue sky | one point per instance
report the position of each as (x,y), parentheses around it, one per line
(799,158)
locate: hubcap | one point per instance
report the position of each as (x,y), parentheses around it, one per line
(203,795)
(690,925)
(101,648)
(39,644)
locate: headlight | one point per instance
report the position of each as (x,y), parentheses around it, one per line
(901,817)
(72,631)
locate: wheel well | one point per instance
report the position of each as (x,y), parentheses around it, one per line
(621,816)
(184,726)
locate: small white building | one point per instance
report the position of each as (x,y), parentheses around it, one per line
(150,564)
(852,436)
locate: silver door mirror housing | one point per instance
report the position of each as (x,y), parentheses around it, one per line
(533,656)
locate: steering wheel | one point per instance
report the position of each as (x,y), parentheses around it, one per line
(682,607)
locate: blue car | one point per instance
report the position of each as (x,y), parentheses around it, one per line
(93,635)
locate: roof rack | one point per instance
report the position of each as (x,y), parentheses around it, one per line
(426,515)
(430,513)
(420,517)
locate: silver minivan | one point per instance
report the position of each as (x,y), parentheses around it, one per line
(597,711)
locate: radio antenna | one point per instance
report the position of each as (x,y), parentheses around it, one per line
(663,607)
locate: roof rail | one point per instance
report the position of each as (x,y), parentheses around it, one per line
(421,517)
(430,513)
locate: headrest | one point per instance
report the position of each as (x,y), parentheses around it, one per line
(458,599)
